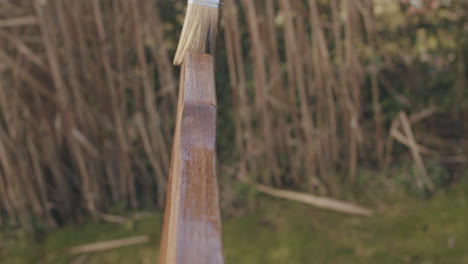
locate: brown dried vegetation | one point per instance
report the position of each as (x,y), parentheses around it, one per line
(88,98)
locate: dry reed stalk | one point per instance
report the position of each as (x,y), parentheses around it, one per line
(291,57)
(152,157)
(152,114)
(277,94)
(365,8)
(269,163)
(351,88)
(108,245)
(6,189)
(377,118)
(160,55)
(24,50)
(40,181)
(320,202)
(27,77)
(324,82)
(230,15)
(6,205)
(404,140)
(238,78)
(414,150)
(11,186)
(18,21)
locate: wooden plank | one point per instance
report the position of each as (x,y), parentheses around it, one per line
(320,202)
(107,245)
(413,145)
(192,223)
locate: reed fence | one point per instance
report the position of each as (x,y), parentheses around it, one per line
(88,99)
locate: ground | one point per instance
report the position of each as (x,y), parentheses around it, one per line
(417,231)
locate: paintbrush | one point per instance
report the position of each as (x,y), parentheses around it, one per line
(200,29)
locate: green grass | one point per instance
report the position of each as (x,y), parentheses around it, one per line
(416,231)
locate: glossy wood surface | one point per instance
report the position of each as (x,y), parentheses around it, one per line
(192,225)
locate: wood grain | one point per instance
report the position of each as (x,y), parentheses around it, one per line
(192,225)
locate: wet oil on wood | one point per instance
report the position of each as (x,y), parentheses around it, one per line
(192,225)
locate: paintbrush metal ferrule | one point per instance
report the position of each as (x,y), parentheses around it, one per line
(208,3)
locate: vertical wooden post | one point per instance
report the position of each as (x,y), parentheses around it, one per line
(192,222)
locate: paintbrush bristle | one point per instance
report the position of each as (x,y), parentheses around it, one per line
(199,31)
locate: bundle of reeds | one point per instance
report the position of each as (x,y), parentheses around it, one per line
(86,92)
(303,119)
(88,98)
